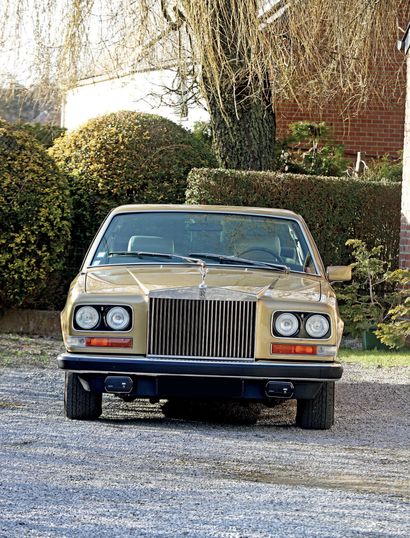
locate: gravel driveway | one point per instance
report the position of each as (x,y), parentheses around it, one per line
(135,473)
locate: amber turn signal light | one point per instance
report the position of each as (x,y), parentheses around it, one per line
(108,342)
(293,349)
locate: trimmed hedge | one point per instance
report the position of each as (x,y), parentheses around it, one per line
(124,157)
(45,134)
(335,209)
(34,219)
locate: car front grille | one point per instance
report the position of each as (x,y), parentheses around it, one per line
(201,328)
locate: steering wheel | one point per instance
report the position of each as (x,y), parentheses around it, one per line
(261,249)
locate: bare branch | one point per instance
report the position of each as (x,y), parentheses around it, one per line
(315,51)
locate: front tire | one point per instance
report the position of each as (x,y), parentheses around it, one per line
(80,404)
(319,413)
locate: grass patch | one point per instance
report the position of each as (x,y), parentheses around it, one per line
(18,351)
(10,405)
(376,358)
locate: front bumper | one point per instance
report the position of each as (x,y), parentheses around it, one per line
(158,378)
(122,364)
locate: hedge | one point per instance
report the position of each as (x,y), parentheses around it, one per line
(34,220)
(45,134)
(335,209)
(124,157)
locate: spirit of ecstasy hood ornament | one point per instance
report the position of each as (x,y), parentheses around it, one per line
(203,269)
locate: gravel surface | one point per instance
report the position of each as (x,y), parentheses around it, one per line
(135,473)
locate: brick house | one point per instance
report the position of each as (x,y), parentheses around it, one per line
(375,130)
(404,45)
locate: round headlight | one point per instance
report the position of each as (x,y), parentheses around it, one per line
(87,317)
(287,324)
(317,326)
(117,318)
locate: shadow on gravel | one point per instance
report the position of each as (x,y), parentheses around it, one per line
(345,481)
(199,411)
(365,412)
(218,412)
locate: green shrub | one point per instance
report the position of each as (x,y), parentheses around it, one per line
(385,169)
(335,209)
(395,329)
(310,150)
(45,134)
(365,300)
(34,219)
(124,157)
(376,297)
(202,131)
(309,131)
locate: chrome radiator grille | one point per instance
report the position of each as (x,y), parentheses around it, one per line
(201,328)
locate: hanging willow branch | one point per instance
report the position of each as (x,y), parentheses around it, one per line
(315,51)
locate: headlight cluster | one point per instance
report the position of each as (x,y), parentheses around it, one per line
(102,318)
(287,324)
(300,325)
(317,326)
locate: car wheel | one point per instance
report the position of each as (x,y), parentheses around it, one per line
(79,403)
(319,413)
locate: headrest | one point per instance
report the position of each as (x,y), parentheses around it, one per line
(150,243)
(270,243)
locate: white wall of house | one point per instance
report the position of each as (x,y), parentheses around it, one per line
(405,198)
(142,92)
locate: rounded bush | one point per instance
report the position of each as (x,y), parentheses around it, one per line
(125,157)
(34,218)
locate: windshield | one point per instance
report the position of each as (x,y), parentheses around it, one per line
(216,238)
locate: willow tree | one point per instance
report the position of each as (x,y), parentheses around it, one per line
(244,55)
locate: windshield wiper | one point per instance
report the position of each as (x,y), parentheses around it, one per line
(144,254)
(238,260)
(195,258)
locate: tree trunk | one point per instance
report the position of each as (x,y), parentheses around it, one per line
(244,131)
(234,83)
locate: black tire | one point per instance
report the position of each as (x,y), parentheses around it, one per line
(319,413)
(79,403)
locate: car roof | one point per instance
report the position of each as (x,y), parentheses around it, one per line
(214,208)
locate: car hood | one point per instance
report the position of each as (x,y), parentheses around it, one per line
(143,280)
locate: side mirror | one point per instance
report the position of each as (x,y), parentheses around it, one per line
(339,273)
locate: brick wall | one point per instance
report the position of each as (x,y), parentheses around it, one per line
(375,131)
(405,201)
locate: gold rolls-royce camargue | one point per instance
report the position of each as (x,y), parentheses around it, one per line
(211,302)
